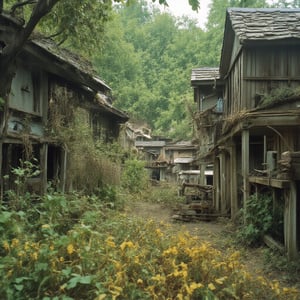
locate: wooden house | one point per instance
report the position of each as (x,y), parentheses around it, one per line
(50,83)
(181,156)
(152,152)
(256,147)
(208,95)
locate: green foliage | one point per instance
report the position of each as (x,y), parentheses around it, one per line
(147,59)
(257,218)
(100,255)
(134,176)
(277,96)
(277,262)
(2,103)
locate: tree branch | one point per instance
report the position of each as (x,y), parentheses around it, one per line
(41,9)
(14,7)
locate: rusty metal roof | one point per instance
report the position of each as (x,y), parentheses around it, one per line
(264,23)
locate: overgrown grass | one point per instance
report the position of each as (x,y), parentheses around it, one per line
(76,247)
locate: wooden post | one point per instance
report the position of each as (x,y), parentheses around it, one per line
(233,182)
(202,174)
(290,221)
(223,181)
(245,168)
(63,170)
(217,184)
(43,163)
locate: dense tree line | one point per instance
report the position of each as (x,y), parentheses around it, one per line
(147,56)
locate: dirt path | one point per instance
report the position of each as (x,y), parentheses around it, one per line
(217,233)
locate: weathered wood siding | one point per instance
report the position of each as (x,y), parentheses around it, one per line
(268,68)
(257,71)
(233,102)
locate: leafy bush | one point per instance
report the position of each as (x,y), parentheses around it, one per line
(123,258)
(257,218)
(134,176)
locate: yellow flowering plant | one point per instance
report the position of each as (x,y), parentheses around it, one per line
(119,257)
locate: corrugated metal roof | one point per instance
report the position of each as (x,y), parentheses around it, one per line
(205,74)
(265,23)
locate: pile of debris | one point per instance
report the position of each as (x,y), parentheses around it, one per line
(198,204)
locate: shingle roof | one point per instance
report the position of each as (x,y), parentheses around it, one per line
(205,74)
(255,25)
(265,23)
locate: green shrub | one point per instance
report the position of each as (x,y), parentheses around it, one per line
(257,219)
(134,175)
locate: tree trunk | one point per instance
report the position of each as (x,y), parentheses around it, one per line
(12,42)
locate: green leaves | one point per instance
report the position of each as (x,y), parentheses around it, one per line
(78,279)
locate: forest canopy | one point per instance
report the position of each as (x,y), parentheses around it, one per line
(143,53)
(147,56)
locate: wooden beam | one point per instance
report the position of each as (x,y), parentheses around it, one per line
(233,182)
(273,182)
(290,222)
(245,168)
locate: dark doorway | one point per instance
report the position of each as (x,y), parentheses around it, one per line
(54,162)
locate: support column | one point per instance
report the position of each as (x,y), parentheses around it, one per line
(233,182)
(290,221)
(44,168)
(223,182)
(217,184)
(245,167)
(202,174)
(63,174)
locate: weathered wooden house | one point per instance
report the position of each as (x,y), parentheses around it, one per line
(208,95)
(152,152)
(181,156)
(50,83)
(260,70)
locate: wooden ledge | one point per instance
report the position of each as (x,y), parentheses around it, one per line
(273,182)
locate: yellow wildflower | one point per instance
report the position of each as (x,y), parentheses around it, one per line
(115,291)
(172,250)
(51,247)
(14,243)
(26,246)
(179,297)
(45,226)
(109,242)
(61,259)
(159,278)
(192,287)
(140,281)
(34,255)
(101,297)
(221,280)
(211,286)
(158,232)
(6,245)
(125,245)
(70,249)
